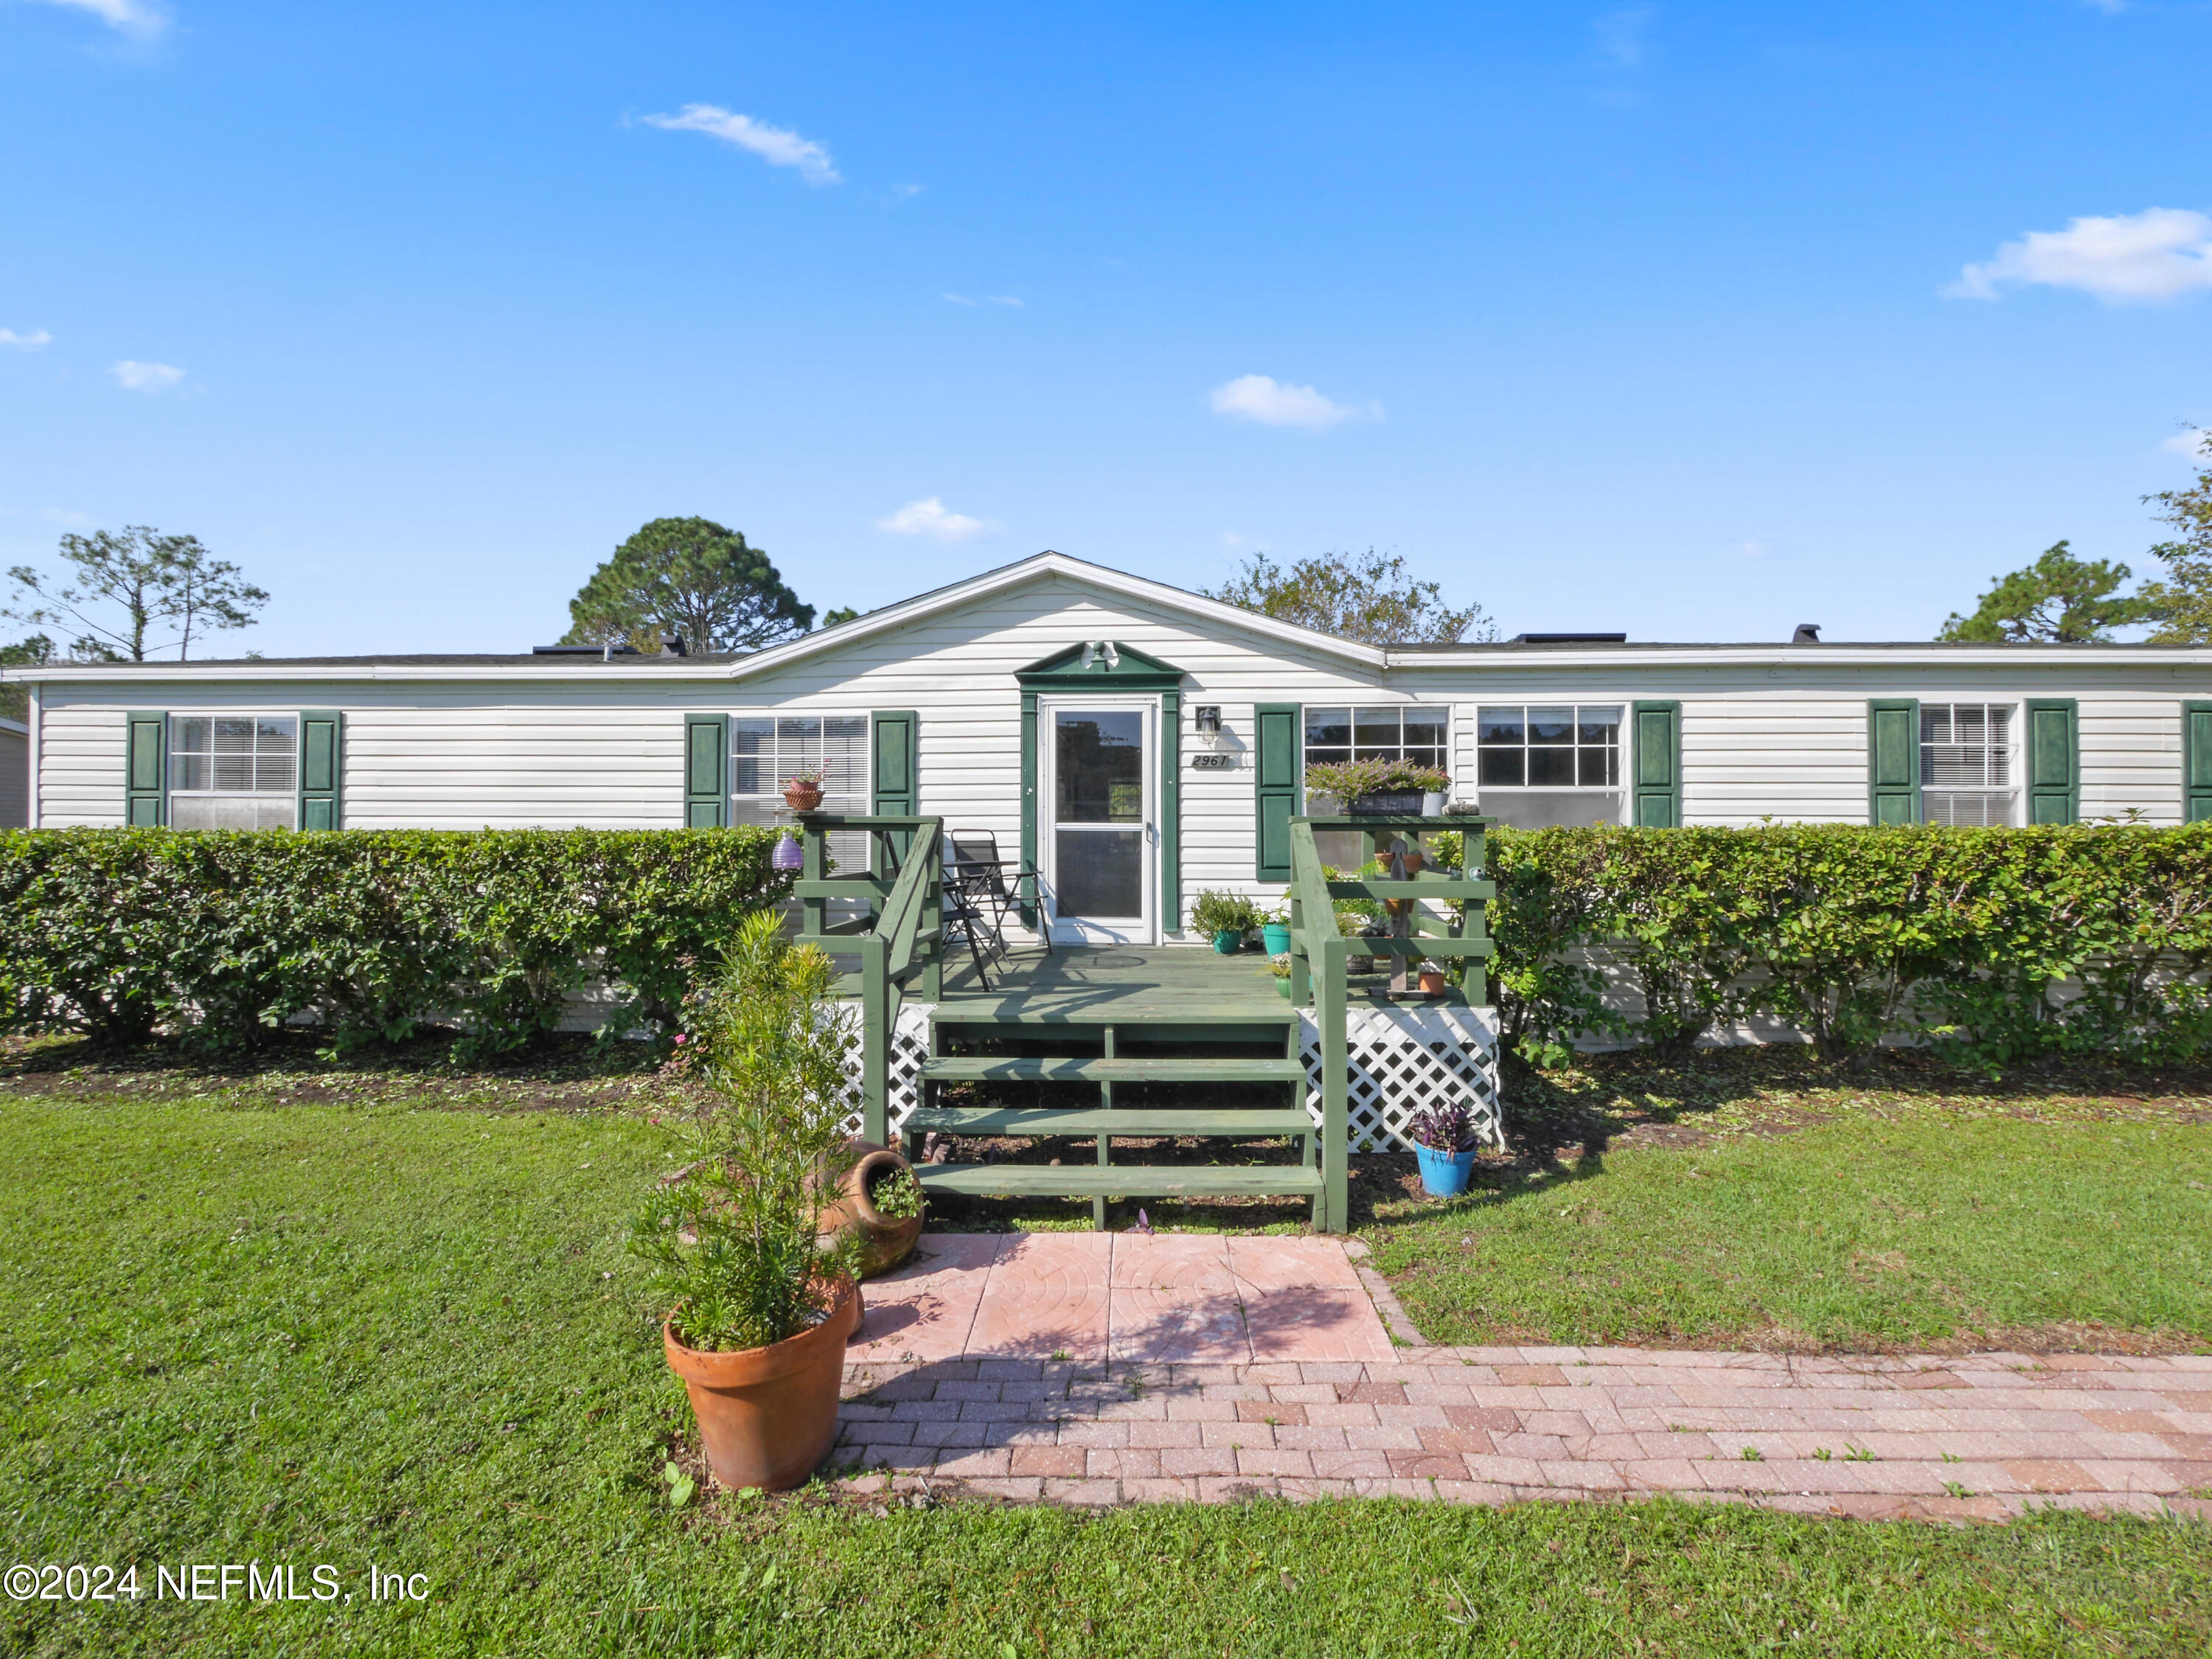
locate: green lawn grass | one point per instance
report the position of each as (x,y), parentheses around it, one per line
(1882,1228)
(404,1334)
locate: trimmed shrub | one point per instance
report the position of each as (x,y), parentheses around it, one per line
(220,937)
(1996,947)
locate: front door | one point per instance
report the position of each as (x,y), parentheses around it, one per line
(1100,829)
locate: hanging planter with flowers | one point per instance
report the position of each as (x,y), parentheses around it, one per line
(802,791)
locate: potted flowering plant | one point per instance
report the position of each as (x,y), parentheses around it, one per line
(802,790)
(1444,1143)
(759,1290)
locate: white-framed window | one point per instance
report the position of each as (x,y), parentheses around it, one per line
(1966,764)
(1379,731)
(766,749)
(1537,765)
(234,771)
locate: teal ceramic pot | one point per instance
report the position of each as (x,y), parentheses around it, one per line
(1445,1175)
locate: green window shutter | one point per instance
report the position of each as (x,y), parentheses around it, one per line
(146,769)
(2054,761)
(322,769)
(706,771)
(1659,765)
(894,743)
(2195,762)
(1278,784)
(1893,760)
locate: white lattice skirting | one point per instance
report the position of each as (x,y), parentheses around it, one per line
(1405,1058)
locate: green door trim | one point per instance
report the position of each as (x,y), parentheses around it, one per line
(1893,760)
(1086,667)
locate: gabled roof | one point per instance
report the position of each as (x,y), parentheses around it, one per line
(1022,571)
(1212,613)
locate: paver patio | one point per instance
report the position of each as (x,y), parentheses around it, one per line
(1203,1368)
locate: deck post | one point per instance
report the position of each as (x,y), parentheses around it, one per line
(933,918)
(875,1038)
(1301,969)
(816,911)
(1105,1140)
(1329,998)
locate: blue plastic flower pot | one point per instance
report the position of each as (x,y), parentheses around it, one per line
(1445,1175)
(1229,941)
(1278,937)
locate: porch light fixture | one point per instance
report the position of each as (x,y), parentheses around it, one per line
(1206,718)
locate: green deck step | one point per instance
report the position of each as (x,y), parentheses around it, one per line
(977,1068)
(1116,1180)
(1248,1123)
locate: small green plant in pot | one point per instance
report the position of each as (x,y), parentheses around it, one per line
(759,1307)
(1275,928)
(1226,916)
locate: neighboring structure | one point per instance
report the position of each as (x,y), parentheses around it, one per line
(14,775)
(1138,742)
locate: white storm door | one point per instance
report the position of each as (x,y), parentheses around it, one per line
(1100,760)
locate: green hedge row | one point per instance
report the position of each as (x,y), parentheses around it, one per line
(218,939)
(1998,947)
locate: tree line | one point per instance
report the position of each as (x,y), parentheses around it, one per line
(694,585)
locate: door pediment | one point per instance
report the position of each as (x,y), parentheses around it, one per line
(1099,666)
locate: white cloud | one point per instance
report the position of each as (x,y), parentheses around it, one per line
(927,517)
(30,342)
(1263,399)
(145,377)
(777,146)
(128,16)
(956,299)
(1004,300)
(988,299)
(2195,444)
(2160,254)
(1620,35)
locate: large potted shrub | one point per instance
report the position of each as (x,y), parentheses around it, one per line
(759,1303)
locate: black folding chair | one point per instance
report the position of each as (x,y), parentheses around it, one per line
(981,890)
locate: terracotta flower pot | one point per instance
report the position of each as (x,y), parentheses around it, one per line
(769,1416)
(885,1240)
(1432,983)
(803,800)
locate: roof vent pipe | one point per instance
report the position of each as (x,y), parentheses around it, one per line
(1807,634)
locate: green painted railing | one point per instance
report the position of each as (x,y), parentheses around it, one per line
(1320,954)
(899,941)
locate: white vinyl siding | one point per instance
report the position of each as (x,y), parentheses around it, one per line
(1788,743)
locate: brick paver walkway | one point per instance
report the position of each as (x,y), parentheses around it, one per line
(1125,1419)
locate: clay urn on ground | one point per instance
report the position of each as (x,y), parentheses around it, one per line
(885,1240)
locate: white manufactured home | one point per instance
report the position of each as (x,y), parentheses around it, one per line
(1135,742)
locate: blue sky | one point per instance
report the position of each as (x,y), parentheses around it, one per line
(1697,322)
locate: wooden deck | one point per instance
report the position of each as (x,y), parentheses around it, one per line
(1139,985)
(1116,985)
